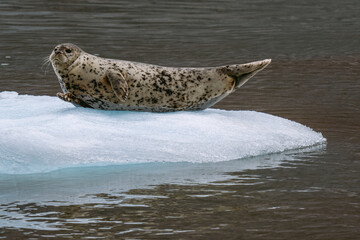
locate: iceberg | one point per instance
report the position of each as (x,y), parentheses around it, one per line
(43,134)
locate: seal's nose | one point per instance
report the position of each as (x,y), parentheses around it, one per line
(56,51)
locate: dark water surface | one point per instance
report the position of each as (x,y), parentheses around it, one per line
(313,79)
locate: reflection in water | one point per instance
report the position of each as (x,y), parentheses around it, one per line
(147,199)
(313,79)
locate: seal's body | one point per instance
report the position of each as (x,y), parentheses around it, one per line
(110,84)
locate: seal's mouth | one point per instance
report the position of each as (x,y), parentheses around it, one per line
(58,58)
(55,60)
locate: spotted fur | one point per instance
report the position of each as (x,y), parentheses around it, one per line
(111,84)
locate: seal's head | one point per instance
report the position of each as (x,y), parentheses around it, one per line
(64,55)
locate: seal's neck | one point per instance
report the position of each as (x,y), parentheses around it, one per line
(76,63)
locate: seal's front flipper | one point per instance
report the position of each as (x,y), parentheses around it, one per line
(118,83)
(69,97)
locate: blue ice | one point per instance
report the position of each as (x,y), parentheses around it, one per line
(43,133)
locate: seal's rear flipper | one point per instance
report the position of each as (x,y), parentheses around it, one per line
(243,72)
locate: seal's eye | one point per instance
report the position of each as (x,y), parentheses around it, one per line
(68,50)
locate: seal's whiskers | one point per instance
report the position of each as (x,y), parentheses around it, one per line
(46,64)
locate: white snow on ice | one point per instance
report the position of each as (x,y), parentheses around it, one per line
(43,133)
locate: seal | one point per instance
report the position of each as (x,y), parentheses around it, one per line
(100,83)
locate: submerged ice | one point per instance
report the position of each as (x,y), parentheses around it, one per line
(42,133)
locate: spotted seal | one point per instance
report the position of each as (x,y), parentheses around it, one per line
(109,84)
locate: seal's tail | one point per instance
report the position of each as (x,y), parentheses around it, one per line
(243,72)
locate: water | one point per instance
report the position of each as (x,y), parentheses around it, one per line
(313,80)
